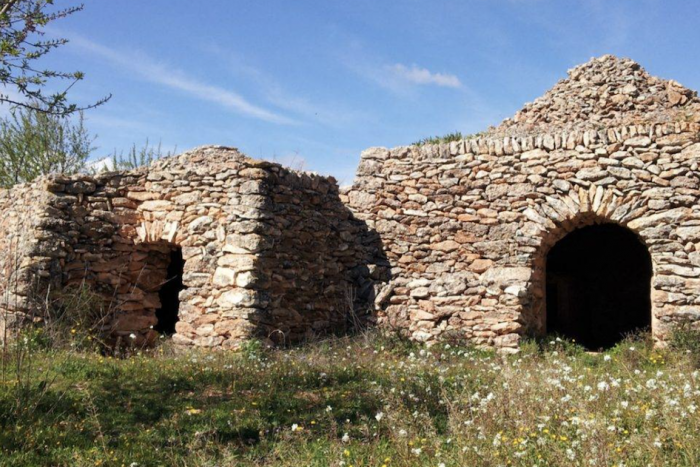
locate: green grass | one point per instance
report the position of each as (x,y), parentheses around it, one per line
(367,400)
(448,138)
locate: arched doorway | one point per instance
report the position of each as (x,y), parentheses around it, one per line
(598,285)
(168,294)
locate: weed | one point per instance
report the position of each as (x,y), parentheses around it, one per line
(686,338)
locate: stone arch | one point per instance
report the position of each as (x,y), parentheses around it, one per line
(556,217)
(151,279)
(598,285)
(149,294)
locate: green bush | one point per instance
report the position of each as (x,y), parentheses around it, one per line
(34,143)
(138,157)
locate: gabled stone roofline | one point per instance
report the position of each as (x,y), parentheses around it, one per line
(496,146)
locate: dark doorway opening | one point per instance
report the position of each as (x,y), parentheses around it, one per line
(598,286)
(169,294)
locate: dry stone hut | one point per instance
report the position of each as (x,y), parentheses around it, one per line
(211,247)
(579,215)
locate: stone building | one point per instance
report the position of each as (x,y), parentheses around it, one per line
(210,246)
(579,215)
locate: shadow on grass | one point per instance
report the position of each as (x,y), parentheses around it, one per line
(175,408)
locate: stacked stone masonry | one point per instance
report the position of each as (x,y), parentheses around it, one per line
(436,241)
(268,252)
(467,225)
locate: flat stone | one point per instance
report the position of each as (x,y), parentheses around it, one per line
(591,174)
(446,246)
(224,277)
(155,205)
(670,216)
(237,298)
(481,265)
(638,142)
(420,292)
(504,275)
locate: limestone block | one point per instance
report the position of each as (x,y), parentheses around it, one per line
(155,205)
(224,277)
(506,275)
(238,297)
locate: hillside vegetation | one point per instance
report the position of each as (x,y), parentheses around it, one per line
(362,401)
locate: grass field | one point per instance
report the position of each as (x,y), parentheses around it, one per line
(362,401)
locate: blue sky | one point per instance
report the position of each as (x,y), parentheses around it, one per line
(313,83)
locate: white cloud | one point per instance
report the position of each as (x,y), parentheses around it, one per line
(396,77)
(159,73)
(417,75)
(327,113)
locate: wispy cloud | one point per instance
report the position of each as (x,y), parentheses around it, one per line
(396,77)
(327,113)
(417,75)
(173,78)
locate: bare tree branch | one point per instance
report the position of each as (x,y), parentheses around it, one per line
(6,6)
(22,27)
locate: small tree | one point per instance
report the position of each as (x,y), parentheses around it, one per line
(36,143)
(138,157)
(22,43)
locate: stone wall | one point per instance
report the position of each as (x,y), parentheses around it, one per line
(467,225)
(310,264)
(26,268)
(437,240)
(267,251)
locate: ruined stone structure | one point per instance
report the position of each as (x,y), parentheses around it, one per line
(264,250)
(468,225)
(580,215)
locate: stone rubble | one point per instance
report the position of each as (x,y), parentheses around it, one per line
(605,92)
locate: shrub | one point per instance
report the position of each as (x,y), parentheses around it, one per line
(686,338)
(76,317)
(138,157)
(36,143)
(448,138)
